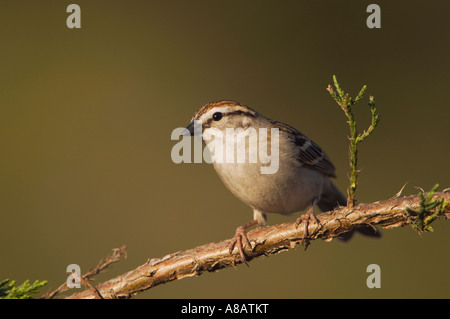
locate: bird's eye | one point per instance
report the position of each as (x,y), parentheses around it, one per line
(217,116)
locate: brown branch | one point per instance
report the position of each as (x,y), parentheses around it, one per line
(102,265)
(265,241)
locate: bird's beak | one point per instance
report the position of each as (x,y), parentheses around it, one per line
(189,131)
(193,129)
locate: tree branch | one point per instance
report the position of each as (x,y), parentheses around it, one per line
(102,265)
(265,241)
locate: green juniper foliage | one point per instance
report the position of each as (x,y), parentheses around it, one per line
(424,216)
(23,291)
(346,103)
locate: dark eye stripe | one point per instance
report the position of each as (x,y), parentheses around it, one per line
(240,112)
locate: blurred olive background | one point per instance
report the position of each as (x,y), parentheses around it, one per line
(87,114)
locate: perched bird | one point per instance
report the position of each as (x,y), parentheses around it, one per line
(301,174)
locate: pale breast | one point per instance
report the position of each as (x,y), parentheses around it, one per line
(289,188)
(287,191)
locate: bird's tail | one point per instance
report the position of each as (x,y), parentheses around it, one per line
(331,198)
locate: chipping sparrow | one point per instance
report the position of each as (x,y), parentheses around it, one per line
(302,178)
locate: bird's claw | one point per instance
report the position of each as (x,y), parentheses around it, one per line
(306,219)
(239,238)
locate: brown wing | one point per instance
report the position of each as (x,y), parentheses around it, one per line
(310,154)
(313,156)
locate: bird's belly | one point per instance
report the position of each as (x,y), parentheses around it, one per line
(272,193)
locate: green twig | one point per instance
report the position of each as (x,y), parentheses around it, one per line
(346,103)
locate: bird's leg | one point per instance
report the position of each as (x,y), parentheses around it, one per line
(241,236)
(306,217)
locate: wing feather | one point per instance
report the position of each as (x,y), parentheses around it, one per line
(309,153)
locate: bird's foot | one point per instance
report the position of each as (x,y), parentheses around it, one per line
(241,238)
(305,220)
